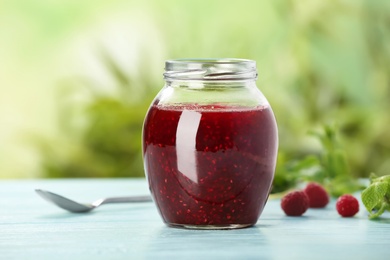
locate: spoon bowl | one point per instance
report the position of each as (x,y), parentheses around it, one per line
(76,207)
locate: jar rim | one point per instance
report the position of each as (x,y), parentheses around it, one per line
(210,69)
(211,60)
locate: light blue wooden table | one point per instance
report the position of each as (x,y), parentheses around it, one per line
(31,228)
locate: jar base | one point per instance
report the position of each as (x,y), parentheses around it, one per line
(209,227)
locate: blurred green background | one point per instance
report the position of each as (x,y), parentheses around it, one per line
(76,77)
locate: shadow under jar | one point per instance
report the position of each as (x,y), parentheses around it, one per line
(210,145)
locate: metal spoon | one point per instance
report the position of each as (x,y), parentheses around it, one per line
(76,207)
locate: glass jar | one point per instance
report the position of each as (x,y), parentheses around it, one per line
(210,145)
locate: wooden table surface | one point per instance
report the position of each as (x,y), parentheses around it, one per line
(31,228)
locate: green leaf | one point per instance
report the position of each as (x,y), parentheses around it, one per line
(341,165)
(382,209)
(385,178)
(343,185)
(374,194)
(307,162)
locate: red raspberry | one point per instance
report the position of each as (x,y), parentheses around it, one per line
(318,197)
(347,205)
(295,203)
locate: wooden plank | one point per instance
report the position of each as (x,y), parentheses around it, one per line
(31,228)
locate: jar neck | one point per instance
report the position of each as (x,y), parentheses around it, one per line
(208,84)
(224,71)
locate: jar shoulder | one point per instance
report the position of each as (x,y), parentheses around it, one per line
(244,94)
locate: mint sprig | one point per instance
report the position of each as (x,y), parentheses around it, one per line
(329,166)
(376,197)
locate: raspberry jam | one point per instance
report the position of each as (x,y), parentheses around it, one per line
(209,166)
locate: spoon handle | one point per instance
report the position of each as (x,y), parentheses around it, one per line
(145,198)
